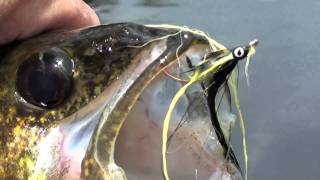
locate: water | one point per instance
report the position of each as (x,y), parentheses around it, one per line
(281,107)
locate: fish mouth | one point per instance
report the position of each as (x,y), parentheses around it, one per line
(194,150)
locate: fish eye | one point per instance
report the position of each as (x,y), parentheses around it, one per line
(238,52)
(45,78)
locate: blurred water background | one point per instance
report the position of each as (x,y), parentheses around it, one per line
(282,104)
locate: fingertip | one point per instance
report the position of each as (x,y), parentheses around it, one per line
(93,18)
(82,17)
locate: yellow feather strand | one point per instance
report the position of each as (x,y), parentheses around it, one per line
(234,90)
(213,44)
(166,123)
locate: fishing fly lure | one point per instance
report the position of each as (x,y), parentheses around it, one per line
(216,68)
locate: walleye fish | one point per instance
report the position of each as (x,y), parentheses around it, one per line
(92,104)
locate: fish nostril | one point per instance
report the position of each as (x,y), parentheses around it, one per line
(45,79)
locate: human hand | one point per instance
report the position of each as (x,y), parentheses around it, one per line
(20,19)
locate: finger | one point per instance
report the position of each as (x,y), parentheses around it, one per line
(28,18)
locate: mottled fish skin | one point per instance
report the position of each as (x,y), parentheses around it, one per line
(100,55)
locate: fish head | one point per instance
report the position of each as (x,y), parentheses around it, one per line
(100,95)
(50,83)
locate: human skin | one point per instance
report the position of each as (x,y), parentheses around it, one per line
(20,19)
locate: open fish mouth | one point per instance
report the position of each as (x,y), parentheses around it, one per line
(108,122)
(194,150)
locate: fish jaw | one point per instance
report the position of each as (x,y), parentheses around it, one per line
(99,158)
